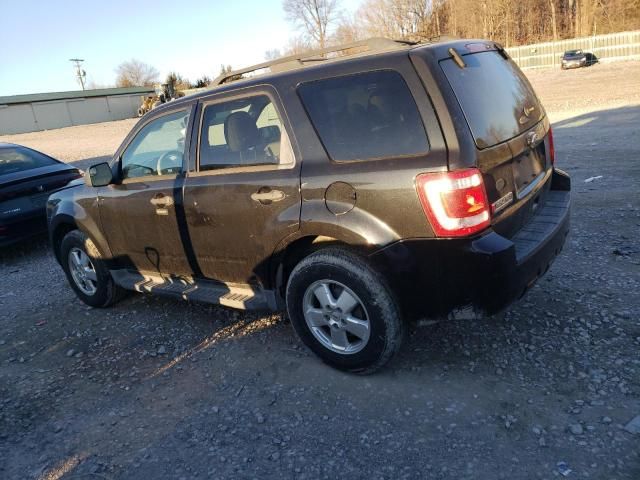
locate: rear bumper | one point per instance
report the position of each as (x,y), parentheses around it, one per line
(439,278)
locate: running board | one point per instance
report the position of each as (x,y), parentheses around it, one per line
(242,297)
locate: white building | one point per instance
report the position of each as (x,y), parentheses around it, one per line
(45,111)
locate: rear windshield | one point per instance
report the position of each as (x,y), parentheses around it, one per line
(18,159)
(365,116)
(496,98)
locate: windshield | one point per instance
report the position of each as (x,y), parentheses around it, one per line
(572,53)
(18,159)
(496,98)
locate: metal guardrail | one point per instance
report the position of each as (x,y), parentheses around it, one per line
(609,47)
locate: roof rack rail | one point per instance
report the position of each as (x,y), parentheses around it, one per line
(298,60)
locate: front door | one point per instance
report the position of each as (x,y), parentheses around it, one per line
(138,213)
(244,197)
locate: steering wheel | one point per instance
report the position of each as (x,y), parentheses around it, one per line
(168,161)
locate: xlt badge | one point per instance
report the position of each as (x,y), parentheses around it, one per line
(502,202)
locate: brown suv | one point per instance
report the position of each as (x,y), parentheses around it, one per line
(358,188)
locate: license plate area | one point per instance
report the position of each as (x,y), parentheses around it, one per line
(528,168)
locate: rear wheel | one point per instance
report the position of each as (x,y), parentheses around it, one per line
(343,311)
(86,272)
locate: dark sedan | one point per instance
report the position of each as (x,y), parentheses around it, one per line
(27,178)
(577,59)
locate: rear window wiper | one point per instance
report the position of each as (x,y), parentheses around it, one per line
(500,49)
(457,58)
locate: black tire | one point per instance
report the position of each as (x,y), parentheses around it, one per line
(106,291)
(386,327)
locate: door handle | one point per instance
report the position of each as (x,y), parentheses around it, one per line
(266,197)
(161,201)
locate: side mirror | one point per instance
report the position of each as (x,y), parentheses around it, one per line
(100,175)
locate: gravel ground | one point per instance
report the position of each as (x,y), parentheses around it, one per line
(157,388)
(564,93)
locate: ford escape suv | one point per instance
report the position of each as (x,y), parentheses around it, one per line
(357,188)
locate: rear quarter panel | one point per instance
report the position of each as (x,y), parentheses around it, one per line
(386,205)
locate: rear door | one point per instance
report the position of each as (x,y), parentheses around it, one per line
(242,196)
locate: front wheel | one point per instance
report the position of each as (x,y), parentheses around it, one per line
(86,271)
(343,311)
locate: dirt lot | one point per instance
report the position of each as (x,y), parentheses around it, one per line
(157,388)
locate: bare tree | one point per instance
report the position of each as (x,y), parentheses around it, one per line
(554,22)
(202,82)
(134,73)
(348,31)
(176,82)
(272,54)
(225,69)
(510,22)
(313,17)
(297,45)
(399,19)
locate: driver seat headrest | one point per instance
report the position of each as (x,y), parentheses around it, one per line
(241,132)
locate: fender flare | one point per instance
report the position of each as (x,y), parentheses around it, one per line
(358,229)
(77,219)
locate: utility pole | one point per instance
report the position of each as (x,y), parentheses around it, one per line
(80,73)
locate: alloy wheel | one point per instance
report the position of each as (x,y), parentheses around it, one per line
(82,271)
(336,316)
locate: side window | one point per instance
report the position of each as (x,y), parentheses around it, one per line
(243,132)
(365,116)
(157,149)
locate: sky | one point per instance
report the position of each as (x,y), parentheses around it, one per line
(191,37)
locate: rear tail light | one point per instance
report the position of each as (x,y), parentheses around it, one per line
(455,202)
(552,148)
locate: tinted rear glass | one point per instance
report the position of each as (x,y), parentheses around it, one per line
(18,159)
(493,94)
(365,116)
